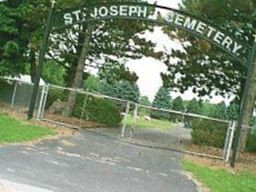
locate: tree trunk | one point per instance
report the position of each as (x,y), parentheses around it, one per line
(33,67)
(78,80)
(74,61)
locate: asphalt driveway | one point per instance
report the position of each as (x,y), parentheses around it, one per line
(89,162)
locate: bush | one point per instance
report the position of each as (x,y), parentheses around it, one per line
(160,115)
(251,143)
(208,133)
(98,110)
(176,118)
(54,95)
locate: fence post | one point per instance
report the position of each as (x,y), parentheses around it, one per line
(14,94)
(45,100)
(228,132)
(39,112)
(134,118)
(230,141)
(125,118)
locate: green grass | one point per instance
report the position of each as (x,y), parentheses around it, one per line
(14,131)
(154,124)
(221,180)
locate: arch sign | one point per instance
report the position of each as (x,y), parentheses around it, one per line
(148,12)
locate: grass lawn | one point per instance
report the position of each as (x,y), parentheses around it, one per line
(221,180)
(12,130)
(154,124)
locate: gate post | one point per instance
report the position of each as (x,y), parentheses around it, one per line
(245,101)
(230,139)
(125,118)
(227,140)
(134,118)
(45,100)
(41,62)
(41,103)
(14,94)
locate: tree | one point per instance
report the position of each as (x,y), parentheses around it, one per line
(79,71)
(122,90)
(53,73)
(202,65)
(177,104)
(11,43)
(93,84)
(194,107)
(205,67)
(144,100)
(21,34)
(112,40)
(115,71)
(208,109)
(162,100)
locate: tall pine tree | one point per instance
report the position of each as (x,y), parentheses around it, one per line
(162,100)
(177,104)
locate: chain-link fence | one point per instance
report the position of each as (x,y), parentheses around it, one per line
(189,133)
(15,94)
(138,124)
(251,137)
(89,110)
(134,123)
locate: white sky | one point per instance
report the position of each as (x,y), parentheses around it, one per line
(149,69)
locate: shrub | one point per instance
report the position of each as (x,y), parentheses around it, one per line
(98,110)
(176,118)
(54,95)
(161,115)
(208,133)
(251,143)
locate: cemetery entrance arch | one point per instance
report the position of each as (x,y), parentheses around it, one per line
(89,13)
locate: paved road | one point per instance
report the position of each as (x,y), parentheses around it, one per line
(177,137)
(88,162)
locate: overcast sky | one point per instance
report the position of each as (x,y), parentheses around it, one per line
(149,69)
